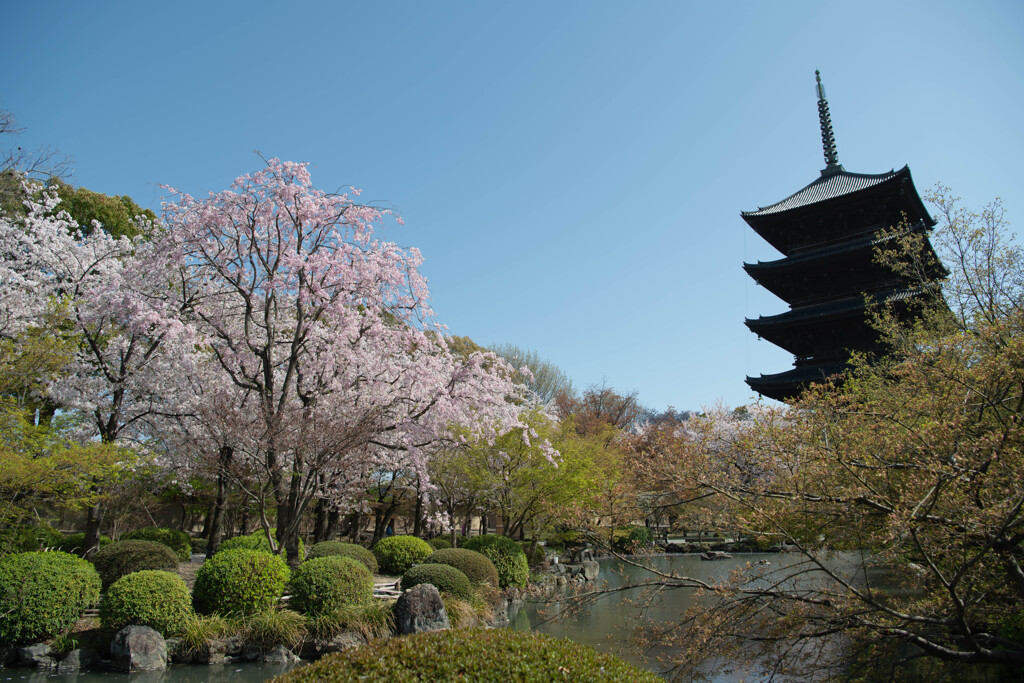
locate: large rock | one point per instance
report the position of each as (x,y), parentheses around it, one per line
(420,609)
(82,658)
(138,648)
(590,569)
(38,655)
(8,655)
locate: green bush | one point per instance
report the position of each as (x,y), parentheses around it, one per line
(445,578)
(508,558)
(325,584)
(43,594)
(630,538)
(31,538)
(178,541)
(472,654)
(153,598)
(256,541)
(327,548)
(396,554)
(73,543)
(239,581)
(536,558)
(567,539)
(124,557)
(476,566)
(439,543)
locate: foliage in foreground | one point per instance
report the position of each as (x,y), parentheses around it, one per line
(153,598)
(508,558)
(43,594)
(325,584)
(239,582)
(396,554)
(497,655)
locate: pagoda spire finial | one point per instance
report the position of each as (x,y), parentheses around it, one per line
(828,138)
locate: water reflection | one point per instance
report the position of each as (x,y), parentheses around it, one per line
(182,673)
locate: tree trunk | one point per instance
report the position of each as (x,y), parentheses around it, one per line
(417,525)
(216,519)
(320,521)
(333,517)
(92,528)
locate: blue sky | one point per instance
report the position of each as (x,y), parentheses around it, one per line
(573,172)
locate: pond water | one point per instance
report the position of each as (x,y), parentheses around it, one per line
(612,622)
(181,673)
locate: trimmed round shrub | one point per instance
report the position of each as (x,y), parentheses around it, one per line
(358,552)
(471,654)
(32,538)
(508,558)
(239,581)
(153,598)
(256,541)
(323,584)
(396,554)
(439,543)
(477,566)
(42,594)
(536,558)
(445,578)
(73,543)
(178,541)
(124,557)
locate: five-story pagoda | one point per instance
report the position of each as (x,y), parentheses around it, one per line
(828,232)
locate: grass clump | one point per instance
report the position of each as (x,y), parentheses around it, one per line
(482,655)
(508,558)
(325,548)
(239,582)
(325,584)
(374,619)
(42,594)
(396,554)
(197,630)
(124,557)
(477,566)
(440,543)
(444,578)
(275,626)
(178,541)
(153,598)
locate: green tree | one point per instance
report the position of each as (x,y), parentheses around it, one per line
(545,379)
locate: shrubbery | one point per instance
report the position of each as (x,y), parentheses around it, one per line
(32,538)
(255,541)
(630,538)
(536,558)
(72,543)
(396,554)
(153,598)
(496,654)
(444,578)
(476,566)
(325,584)
(43,594)
(178,541)
(440,543)
(124,557)
(239,581)
(327,548)
(508,558)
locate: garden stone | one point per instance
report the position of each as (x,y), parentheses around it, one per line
(38,655)
(420,609)
(82,658)
(211,652)
(177,652)
(590,570)
(233,645)
(279,654)
(251,653)
(138,648)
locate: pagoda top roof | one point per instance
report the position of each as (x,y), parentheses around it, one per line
(833,183)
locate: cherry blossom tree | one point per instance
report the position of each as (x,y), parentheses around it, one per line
(326,334)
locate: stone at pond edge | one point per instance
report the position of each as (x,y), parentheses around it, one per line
(82,658)
(590,569)
(420,609)
(8,655)
(138,648)
(38,655)
(279,654)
